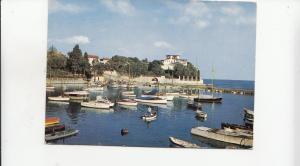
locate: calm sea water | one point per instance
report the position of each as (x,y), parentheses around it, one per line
(102,127)
(234,84)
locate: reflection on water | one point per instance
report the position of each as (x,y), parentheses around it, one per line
(102,127)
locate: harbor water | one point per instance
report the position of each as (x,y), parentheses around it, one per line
(103,127)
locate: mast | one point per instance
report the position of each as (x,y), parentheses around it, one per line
(212,80)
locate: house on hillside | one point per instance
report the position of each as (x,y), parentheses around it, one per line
(171,60)
(93,58)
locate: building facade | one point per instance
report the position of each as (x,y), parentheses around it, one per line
(93,58)
(171,60)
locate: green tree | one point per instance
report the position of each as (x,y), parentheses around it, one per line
(155,68)
(74,63)
(56,61)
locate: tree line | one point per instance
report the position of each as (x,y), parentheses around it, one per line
(76,64)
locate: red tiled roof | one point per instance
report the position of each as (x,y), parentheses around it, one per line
(93,56)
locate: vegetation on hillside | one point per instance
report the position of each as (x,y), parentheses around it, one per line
(76,64)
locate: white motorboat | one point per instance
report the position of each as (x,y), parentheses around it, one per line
(101,99)
(233,137)
(154,100)
(59,98)
(95,104)
(162,96)
(127,102)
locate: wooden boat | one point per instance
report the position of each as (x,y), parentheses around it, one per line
(208,99)
(60,134)
(149,117)
(127,102)
(77,95)
(201,114)
(182,143)
(95,104)
(59,98)
(52,121)
(233,137)
(124,131)
(54,128)
(154,100)
(194,105)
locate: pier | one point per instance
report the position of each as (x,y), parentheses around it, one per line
(193,89)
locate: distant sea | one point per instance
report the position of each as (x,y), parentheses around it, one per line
(234,84)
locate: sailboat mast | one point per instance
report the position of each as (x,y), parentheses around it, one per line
(212,80)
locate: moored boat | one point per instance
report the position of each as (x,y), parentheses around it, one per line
(51,121)
(208,99)
(201,114)
(154,100)
(150,116)
(61,134)
(127,102)
(94,88)
(101,99)
(54,128)
(236,127)
(95,104)
(59,98)
(194,105)
(182,143)
(77,95)
(50,88)
(233,137)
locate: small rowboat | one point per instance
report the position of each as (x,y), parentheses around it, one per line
(149,117)
(201,114)
(127,102)
(60,134)
(52,121)
(59,98)
(182,143)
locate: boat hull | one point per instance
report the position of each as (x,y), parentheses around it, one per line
(152,101)
(182,143)
(59,98)
(95,105)
(209,100)
(223,136)
(60,134)
(127,103)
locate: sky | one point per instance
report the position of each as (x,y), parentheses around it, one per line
(209,34)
